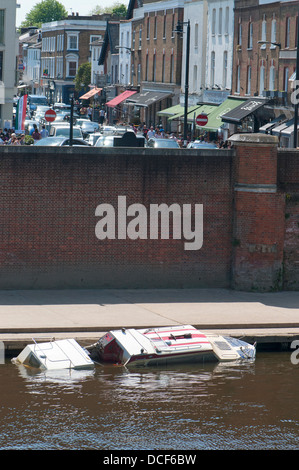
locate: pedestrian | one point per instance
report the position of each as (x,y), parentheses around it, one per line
(36,135)
(151,132)
(44,133)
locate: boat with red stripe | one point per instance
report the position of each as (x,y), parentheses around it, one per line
(167,345)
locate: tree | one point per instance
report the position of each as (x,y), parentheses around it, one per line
(117,10)
(83,76)
(44,12)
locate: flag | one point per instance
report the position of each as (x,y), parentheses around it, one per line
(21,114)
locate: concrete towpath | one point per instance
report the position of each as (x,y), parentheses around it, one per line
(86,314)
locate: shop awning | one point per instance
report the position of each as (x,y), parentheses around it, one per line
(278,129)
(181,112)
(267,127)
(215,117)
(172,111)
(90,94)
(288,131)
(120,98)
(147,98)
(249,106)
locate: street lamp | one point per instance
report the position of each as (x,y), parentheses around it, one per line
(270,42)
(296,86)
(179,30)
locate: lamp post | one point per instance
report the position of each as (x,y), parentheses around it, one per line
(296,86)
(179,30)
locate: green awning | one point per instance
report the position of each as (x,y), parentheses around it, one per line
(214,118)
(170,111)
(182,112)
(203,109)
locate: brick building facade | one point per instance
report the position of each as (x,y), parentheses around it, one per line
(265,42)
(66,46)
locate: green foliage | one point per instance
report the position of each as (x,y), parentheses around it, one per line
(44,12)
(118,10)
(83,76)
(29,140)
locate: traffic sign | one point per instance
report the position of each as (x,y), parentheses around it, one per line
(201,120)
(50,115)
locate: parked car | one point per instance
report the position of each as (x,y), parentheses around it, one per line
(107,130)
(198,144)
(128,139)
(162,143)
(60,142)
(88,127)
(64,131)
(105,141)
(91,139)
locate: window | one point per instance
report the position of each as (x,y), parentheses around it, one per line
(148,27)
(248,89)
(146,67)
(250,35)
(273,32)
(220,22)
(59,67)
(60,43)
(71,65)
(154,67)
(196,35)
(140,38)
(224,81)
(194,77)
(262,80)
(226,27)
(214,21)
(171,78)
(155,27)
(240,34)
(2,23)
(1,65)
(72,69)
(173,25)
(138,74)
(264,32)
(212,68)
(163,67)
(272,78)
(164,26)
(287,38)
(72,42)
(286,79)
(238,79)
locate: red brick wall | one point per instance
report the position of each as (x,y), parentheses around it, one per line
(250,226)
(288,180)
(48,202)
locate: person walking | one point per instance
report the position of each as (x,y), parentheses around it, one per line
(36,135)
(44,133)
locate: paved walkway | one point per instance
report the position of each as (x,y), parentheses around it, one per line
(84,314)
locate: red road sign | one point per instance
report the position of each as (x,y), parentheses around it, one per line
(50,115)
(201,120)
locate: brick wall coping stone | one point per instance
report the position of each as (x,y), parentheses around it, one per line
(254,139)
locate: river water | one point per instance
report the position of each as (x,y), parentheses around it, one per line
(203,407)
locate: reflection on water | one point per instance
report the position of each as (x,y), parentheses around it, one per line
(223,406)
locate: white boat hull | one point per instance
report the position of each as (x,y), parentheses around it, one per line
(54,355)
(168,345)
